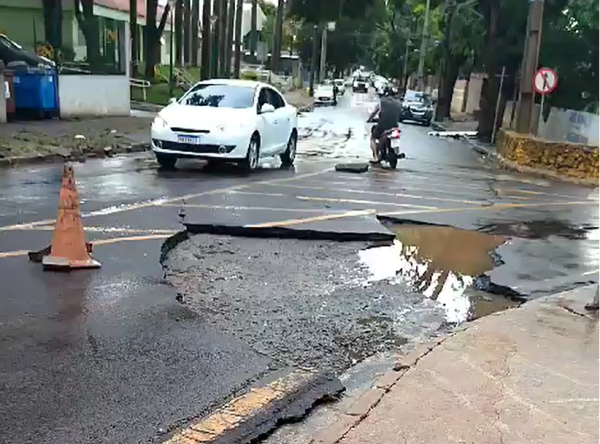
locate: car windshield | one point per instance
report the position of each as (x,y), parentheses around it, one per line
(218,95)
(325,88)
(413,96)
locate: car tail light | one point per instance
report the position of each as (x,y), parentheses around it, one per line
(395,134)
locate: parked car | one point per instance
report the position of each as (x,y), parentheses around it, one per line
(226,120)
(416,106)
(341,86)
(324,95)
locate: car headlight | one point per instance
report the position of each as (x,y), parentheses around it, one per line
(159,123)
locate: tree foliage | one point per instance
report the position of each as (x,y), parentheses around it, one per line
(321,11)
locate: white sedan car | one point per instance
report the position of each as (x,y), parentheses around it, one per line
(324,95)
(226,120)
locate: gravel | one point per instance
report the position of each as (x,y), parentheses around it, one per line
(302,303)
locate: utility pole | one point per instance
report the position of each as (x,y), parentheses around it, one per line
(423,51)
(239,9)
(529,65)
(206,41)
(313,60)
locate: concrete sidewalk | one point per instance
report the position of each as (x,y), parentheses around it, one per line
(527,375)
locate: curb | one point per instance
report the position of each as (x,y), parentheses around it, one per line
(8,162)
(145,106)
(286,233)
(366,402)
(261,409)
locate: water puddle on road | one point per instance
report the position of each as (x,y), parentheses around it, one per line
(443,264)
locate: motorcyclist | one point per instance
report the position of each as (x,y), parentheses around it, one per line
(389,110)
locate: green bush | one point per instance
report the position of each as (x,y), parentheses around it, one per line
(249,75)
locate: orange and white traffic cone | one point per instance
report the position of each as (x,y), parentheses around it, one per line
(69,249)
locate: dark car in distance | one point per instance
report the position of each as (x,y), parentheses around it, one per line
(417,106)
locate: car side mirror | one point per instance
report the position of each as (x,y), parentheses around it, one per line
(267,108)
(172,100)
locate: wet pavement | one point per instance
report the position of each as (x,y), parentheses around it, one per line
(112,355)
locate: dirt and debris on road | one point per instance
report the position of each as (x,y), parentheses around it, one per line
(94,137)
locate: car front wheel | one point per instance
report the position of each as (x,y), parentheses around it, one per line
(166,161)
(250,163)
(288,157)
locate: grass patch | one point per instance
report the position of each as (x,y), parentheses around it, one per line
(157,93)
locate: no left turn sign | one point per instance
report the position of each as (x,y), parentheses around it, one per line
(545,81)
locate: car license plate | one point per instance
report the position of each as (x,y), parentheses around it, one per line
(395,143)
(192,140)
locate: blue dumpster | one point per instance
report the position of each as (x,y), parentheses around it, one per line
(36,92)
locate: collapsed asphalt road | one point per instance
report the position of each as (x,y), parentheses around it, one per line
(299,302)
(113,356)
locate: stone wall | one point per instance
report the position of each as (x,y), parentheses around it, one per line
(573,161)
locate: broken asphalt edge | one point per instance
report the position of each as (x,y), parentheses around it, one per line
(259,410)
(380,386)
(8,162)
(280,232)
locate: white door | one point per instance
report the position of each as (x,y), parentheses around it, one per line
(267,125)
(282,121)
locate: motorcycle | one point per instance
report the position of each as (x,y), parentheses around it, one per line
(389,148)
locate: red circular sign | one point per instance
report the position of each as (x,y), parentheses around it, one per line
(545,81)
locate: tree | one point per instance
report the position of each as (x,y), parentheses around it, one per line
(187,31)
(230,32)
(135,38)
(253,30)
(461,47)
(239,7)
(195,40)
(178,33)
(52,10)
(322,11)
(152,34)
(278,37)
(206,40)
(88,23)
(222,19)
(570,45)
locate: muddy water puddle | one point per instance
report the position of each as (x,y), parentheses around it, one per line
(443,264)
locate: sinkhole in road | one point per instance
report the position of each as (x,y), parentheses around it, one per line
(444,264)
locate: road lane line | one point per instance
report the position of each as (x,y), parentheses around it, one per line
(284,223)
(155,202)
(366,202)
(485,208)
(103,230)
(240,416)
(382,193)
(114,240)
(236,207)
(255,193)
